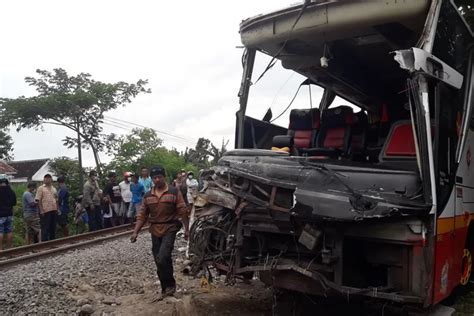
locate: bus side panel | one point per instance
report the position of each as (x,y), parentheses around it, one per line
(452,227)
(449,251)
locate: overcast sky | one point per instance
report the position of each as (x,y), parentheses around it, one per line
(186,49)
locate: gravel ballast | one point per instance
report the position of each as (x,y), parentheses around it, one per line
(117,277)
(78,280)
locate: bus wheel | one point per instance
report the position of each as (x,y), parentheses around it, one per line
(466,267)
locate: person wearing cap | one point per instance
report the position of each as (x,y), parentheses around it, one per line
(7,202)
(164,208)
(126,194)
(91,198)
(63,200)
(31,215)
(47,199)
(112,199)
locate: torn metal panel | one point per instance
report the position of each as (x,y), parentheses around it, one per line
(326,286)
(336,190)
(418,60)
(220,197)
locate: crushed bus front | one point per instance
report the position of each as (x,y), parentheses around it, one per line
(350,200)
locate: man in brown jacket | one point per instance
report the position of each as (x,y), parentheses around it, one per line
(164,208)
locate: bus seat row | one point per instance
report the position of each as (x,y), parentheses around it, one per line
(340,132)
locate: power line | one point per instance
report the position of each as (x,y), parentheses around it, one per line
(117,126)
(111,122)
(143,126)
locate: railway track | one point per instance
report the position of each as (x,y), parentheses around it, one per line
(33,252)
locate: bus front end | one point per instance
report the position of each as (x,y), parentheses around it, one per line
(368,198)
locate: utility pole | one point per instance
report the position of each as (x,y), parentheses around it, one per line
(79,155)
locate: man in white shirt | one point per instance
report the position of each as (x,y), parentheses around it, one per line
(126,197)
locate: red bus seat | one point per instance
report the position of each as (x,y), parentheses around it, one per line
(359,133)
(334,136)
(302,130)
(304,127)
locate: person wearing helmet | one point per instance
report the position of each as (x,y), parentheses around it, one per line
(164,208)
(126,197)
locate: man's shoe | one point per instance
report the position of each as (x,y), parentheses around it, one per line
(170,291)
(159,297)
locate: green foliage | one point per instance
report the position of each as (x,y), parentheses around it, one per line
(18,222)
(143,147)
(200,155)
(171,160)
(75,102)
(127,150)
(69,168)
(6,146)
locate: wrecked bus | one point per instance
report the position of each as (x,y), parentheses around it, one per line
(374,202)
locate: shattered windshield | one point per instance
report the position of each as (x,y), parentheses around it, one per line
(280,90)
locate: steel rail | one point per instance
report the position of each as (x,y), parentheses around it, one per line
(17,255)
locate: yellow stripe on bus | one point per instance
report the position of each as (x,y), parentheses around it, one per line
(448,224)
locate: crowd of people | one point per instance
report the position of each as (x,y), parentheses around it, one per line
(137,199)
(47,207)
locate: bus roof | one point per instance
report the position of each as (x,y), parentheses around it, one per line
(355,37)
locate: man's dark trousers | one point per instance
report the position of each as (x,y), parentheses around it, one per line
(48,226)
(162,248)
(95,220)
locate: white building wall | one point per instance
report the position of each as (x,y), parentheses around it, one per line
(45,169)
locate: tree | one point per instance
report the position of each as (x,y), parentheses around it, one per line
(217,153)
(203,150)
(69,168)
(143,147)
(6,146)
(128,149)
(170,159)
(200,154)
(75,102)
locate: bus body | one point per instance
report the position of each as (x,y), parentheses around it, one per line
(375,203)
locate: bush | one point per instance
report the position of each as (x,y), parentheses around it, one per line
(18,222)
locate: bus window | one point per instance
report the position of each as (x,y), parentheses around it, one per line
(449,110)
(452,39)
(466,9)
